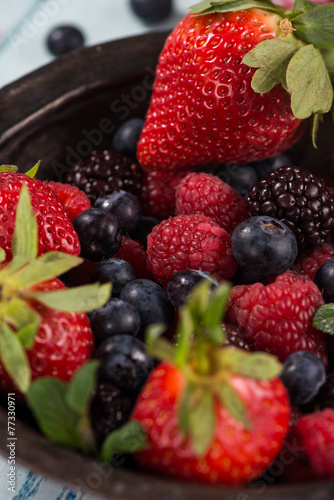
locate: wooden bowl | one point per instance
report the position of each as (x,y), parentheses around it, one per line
(58,114)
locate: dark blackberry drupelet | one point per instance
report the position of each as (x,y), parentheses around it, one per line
(110,409)
(235,338)
(104,172)
(297,198)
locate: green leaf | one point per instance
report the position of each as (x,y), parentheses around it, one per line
(14,358)
(77,299)
(309,84)
(24,319)
(45,267)
(233,403)
(33,171)
(25,239)
(81,387)
(47,400)
(190,398)
(8,168)
(302,5)
(214,314)
(316,25)
(153,332)
(185,331)
(2,255)
(202,422)
(256,365)
(272,58)
(328,57)
(127,439)
(162,349)
(210,7)
(323,318)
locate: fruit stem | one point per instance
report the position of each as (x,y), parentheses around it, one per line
(286,27)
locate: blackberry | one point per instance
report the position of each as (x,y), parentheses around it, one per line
(104,172)
(235,338)
(110,409)
(297,198)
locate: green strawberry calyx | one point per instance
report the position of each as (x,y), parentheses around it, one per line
(300,58)
(208,365)
(19,320)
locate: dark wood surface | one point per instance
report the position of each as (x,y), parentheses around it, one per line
(45,115)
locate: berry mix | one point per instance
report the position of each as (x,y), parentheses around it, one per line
(172,298)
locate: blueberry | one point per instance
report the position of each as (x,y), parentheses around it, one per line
(127,136)
(64,39)
(117,271)
(116,317)
(265,167)
(125,206)
(324,279)
(264,246)
(152,11)
(150,300)
(303,374)
(125,363)
(99,234)
(144,228)
(240,177)
(181,284)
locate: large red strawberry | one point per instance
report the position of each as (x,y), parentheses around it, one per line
(211,413)
(55,231)
(210,105)
(43,327)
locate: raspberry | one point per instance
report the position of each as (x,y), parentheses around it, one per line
(309,265)
(189,242)
(278,317)
(208,195)
(104,172)
(297,198)
(316,432)
(74,199)
(157,196)
(133,252)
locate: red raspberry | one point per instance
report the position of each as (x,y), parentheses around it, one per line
(308,266)
(133,252)
(74,199)
(189,242)
(157,196)
(278,317)
(316,432)
(208,195)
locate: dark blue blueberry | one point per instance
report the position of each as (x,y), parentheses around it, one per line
(127,136)
(116,317)
(124,205)
(64,39)
(265,167)
(99,233)
(125,363)
(324,279)
(150,300)
(181,284)
(144,228)
(152,11)
(240,177)
(117,271)
(303,374)
(264,246)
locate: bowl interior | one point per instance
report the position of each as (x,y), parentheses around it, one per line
(59,114)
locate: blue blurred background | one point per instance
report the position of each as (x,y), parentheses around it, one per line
(25,25)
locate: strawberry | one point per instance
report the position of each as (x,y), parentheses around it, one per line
(236,84)
(211,413)
(55,231)
(43,327)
